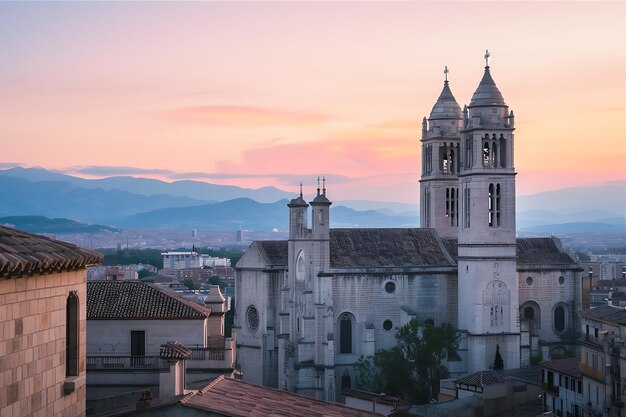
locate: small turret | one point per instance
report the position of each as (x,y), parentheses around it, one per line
(321,213)
(297,217)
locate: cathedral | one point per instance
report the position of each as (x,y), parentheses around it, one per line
(310,306)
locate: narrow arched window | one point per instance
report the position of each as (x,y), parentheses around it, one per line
(559,319)
(486,154)
(494,155)
(490,205)
(452,206)
(447,202)
(71,335)
(497,205)
(345,334)
(502,151)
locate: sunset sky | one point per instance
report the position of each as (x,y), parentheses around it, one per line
(255,94)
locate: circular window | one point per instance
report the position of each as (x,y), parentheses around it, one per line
(252,317)
(387,325)
(429,322)
(561,280)
(390,287)
(529,280)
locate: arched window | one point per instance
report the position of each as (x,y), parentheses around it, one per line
(71,335)
(490,204)
(467,206)
(496,301)
(559,319)
(345,334)
(497,205)
(346,381)
(452,206)
(531,313)
(494,155)
(447,202)
(486,154)
(502,151)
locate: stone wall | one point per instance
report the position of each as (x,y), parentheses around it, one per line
(32,346)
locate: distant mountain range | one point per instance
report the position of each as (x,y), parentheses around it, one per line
(145,203)
(42,224)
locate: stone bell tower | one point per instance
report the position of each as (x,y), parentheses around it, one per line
(488,309)
(439,187)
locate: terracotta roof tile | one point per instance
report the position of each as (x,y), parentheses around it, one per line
(138,300)
(242,399)
(174,350)
(567,366)
(23,254)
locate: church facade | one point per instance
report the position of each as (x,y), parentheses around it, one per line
(310,306)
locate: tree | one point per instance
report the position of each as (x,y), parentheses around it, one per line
(189,284)
(413,368)
(229,319)
(366,375)
(498,362)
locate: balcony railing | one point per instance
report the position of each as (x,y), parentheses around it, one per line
(202,353)
(552,389)
(588,370)
(123,362)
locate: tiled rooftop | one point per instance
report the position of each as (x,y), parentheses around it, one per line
(138,300)
(482,378)
(606,313)
(226,396)
(410,247)
(567,366)
(174,350)
(24,254)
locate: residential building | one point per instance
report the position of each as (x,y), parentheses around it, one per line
(603,360)
(562,384)
(42,325)
(129,321)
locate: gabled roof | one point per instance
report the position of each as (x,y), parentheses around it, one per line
(23,254)
(541,250)
(606,313)
(125,300)
(370,248)
(275,251)
(235,398)
(482,378)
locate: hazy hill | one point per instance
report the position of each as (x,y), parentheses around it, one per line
(197,190)
(62,199)
(41,224)
(249,214)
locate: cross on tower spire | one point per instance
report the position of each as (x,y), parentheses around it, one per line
(300,189)
(445,72)
(487,58)
(323,185)
(318,185)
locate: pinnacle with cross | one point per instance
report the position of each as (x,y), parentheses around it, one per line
(445,72)
(487,58)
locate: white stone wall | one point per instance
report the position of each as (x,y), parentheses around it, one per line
(32,345)
(112,337)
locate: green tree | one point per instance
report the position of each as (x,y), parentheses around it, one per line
(498,362)
(229,319)
(189,284)
(413,368)
(366,375)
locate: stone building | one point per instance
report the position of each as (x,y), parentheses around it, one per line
(42,325)
(309,307)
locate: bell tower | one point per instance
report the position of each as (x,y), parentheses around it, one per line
(488,309)
(439,188)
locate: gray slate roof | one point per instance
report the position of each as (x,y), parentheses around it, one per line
(482,378)
(541,250)
(372,248)
(125,300)
(415,247)
(275,251)
(567,366)
(23,254)
(606,313)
